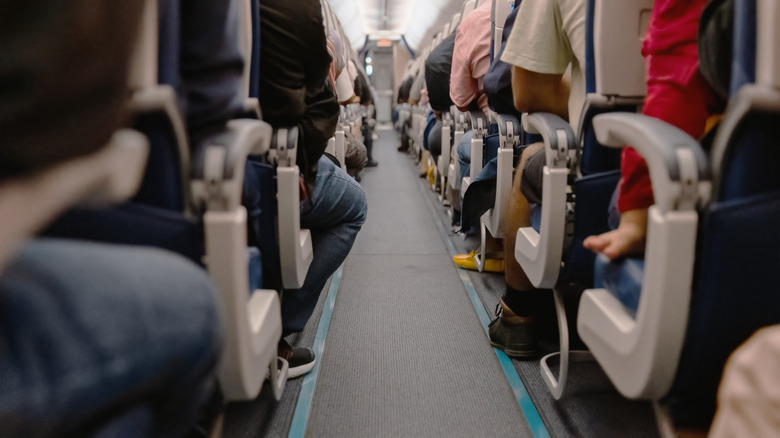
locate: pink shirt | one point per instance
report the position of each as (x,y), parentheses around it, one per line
(471,59)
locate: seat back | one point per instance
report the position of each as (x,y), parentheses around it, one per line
(498,13)
(615,81)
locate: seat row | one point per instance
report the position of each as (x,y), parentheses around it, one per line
(198,135)
(661,326)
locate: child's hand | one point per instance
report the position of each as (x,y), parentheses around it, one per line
(627,240)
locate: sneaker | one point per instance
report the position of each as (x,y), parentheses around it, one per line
(371,163)
(300,359)
(514,335)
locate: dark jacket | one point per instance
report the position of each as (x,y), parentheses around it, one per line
(293,76)
(498,80)
(437,74)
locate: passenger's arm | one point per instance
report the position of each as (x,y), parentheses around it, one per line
(463,86)
(540,92)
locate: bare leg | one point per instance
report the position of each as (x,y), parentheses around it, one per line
(518,215)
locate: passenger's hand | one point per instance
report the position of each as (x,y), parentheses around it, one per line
(627,240)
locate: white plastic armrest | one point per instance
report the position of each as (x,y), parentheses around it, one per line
(219,163)
(341,147)
(509,134)
(331,147)
(28,203)
(640,355)
(295,246)
(253,324)
(446,130)
(539,253)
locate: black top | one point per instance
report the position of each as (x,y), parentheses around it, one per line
(437,74)
(294,75)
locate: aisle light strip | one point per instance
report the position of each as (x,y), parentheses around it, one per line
(532,417)
(303,408)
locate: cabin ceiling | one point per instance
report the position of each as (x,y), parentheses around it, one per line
(416,20)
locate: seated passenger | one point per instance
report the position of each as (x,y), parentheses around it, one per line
(294,90)
(677,93)
(470,63)
(749,393)
(551,39)
(415,92)
(403,97)
(365,92)
(438,67)
(340,76)
(98,340)
(437,71)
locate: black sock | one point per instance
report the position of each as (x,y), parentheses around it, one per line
(521,302)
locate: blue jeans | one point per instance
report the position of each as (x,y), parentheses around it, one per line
(334,214)
(464,154)
(96,337)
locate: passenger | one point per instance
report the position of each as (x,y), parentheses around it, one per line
(403,97)
(550,40)
(341,78)
(749,393)
(470,63)
(294,91)
(438,68)
(366,93)
(98,340)
(677,93)
(437,72)
(415,92)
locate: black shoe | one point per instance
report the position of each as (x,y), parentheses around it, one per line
(300,359)
(371,163)
(515,335)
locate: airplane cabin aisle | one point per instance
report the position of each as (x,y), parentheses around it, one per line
(401,342)
(405,354)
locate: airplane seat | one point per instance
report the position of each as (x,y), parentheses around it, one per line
(732,295)
(480,127)
(461,125)
(444,159)
(580,176)
(705,288)
(501,145)
(203,210)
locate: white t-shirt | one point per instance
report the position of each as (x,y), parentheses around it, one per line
(548,35)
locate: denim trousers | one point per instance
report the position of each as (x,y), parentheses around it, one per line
(464,154)
(104,340)
(334,213)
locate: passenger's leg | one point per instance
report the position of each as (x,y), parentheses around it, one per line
(334,215)
(513,331)
(464,154)
(91,333)
(368,140)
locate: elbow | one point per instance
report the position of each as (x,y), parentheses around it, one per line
(522,102)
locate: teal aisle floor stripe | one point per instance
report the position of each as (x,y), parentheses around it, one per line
(535,422)
(303,408)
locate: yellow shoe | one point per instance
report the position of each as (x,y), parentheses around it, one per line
(466,261)
(430,175)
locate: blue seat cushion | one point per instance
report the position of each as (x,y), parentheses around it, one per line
(132,224)
(622,278)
